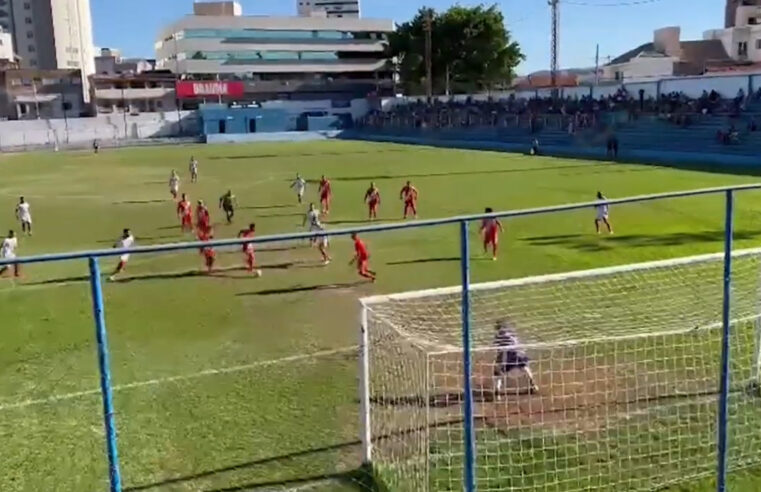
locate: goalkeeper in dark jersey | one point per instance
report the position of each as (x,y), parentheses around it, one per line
(509,357)
(228,202)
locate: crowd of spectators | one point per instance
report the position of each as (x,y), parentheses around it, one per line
(571,113)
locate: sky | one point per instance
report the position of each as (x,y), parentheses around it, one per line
(616,25)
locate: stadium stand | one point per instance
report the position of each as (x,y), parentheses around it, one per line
(673,122)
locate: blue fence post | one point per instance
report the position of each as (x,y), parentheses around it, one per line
(721,476)
(105,376)
(469,439)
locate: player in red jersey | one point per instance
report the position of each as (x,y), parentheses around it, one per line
(326,193)
(373,199)
(185,214)
(409,194)
(209,255)
(362,259)
(490,229)
(248,249)
(203,219)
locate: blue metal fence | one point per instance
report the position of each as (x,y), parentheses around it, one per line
(469,475)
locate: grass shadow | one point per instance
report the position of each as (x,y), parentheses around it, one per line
(425,260)
(265,207)
(346,222)
(302,288)
(596,167)
(290,214)
(138,202)
(307,154)
(591,242)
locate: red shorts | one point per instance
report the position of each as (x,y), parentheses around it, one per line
(209,254)
(363,266)
(373,205)
(187,220)
(325,197)
(491,238)
(250,255)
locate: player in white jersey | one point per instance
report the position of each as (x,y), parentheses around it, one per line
(8,252)
(603,211)
(300,186)
(193,168)
(312,218)
(174,184)
(125,242)
(24,215)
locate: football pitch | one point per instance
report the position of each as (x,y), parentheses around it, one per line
(229,382)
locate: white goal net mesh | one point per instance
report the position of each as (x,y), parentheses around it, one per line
(627,364)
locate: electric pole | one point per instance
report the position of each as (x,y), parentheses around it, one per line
(554,47)
(597,65)
(428,54)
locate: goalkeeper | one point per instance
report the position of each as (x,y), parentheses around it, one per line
(509,357)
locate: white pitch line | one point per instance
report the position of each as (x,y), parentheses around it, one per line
(174,379)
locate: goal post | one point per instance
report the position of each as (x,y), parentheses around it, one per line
(627,361)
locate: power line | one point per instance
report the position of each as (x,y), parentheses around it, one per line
(625,3)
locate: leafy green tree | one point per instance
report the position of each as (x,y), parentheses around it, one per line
(471,50)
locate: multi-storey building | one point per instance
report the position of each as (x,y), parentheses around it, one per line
(280,56)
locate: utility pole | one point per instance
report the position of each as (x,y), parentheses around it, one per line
(428,54)
(597,65)
(555,42)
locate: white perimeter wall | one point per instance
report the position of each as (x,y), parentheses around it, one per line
(20,134)
(726,85)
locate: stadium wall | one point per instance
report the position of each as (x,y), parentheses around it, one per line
(726,85)
(106,128)
(271,137)
(643,156)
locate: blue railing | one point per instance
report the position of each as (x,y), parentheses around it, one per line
(469,475)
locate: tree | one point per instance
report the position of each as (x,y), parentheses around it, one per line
(471,50)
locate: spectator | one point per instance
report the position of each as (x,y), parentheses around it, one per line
(535,147)
(612,146)
(752,125)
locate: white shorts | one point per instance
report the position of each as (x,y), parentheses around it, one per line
(174,189)
(323,240)
(26,220)
(314,228)
(8,256)
(602,216)
(124,258)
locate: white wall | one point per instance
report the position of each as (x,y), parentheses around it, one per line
(641,69)
(358,107)
(6,46)
(14,134)
(727,86)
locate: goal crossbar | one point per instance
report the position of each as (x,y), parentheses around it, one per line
(557,277)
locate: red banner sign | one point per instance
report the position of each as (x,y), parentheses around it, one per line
(210,88)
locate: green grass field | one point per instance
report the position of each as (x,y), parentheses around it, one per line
(236,383)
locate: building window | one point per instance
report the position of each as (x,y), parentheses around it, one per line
(758,44)
(31,48)
(28,20)
(27,6)
(742,48)
(619,75)
(32,63)
(29,34)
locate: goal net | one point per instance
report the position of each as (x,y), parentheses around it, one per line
(627,365)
